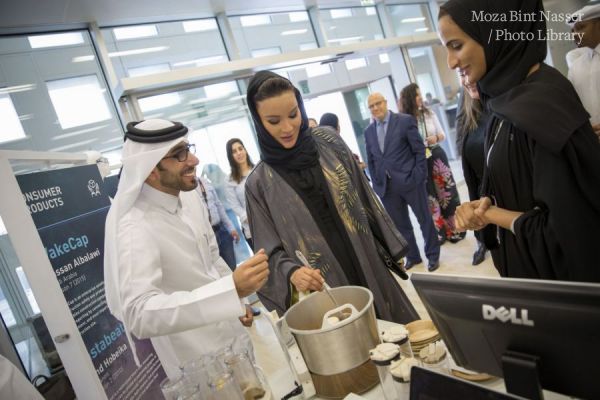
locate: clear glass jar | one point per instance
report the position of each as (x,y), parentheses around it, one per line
(224,387)
(195,371)
(244,373)
(440,365)
(171,388)
(435,357)
(382,356)
(398,335)
(401,371)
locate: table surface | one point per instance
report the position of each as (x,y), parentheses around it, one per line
(270,357)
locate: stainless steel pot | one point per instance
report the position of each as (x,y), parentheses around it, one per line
(340,348)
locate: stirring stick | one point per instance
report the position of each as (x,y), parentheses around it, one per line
(325,285)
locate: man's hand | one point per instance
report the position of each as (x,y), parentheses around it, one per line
(247,319)
(471,215)
(306,278)
(252,274)
(596,129)
(235,236)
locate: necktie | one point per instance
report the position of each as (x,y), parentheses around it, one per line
(381,134)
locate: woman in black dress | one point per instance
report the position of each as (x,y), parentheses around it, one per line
(470,128)
(541,179)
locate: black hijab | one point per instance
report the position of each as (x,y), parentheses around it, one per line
(543,104)
(508,61)
(304,153)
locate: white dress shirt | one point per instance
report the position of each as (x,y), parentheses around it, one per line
(174,287)
(14,385)
(584,73)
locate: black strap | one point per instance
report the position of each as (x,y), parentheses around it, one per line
(203,190)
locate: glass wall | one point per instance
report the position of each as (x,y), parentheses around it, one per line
(215,112)
(350,25)
(53,96)
(21,315)
(434,77)
(410,19)
(148,49)
(268,34)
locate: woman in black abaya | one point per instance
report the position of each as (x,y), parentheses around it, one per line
(541,178)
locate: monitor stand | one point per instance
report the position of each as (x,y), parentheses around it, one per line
(521,375)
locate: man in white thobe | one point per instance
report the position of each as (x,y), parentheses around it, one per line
(584,62)
(163,274)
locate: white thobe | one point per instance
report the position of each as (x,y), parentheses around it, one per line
(14,385)
(584,73)
(174,287)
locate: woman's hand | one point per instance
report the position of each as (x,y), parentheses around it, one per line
(472,215)
(247,319)
(431,140)
(306,278)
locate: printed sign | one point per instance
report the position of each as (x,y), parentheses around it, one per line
(69,208)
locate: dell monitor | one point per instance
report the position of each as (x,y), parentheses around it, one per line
(534,333)
(429,385)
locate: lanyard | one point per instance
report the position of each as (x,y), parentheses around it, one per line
(205,198)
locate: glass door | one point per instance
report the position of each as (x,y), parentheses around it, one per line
(21,315)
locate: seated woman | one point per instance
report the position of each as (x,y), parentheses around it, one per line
(308,194)
(441,187)
(541,177)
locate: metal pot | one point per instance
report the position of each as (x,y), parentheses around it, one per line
(339,348)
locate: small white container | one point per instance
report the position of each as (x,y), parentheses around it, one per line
(382,356)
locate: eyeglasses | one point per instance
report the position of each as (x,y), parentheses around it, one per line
(376,104)
(182,154)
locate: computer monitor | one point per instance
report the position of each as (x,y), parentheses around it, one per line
(430,385)
(536,334)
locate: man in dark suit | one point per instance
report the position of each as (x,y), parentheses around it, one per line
(396,159)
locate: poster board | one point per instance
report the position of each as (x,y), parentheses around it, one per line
(62,214)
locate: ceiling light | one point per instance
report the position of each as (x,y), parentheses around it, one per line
(82,59)
(346,39)
(17,88)
(294,32)
(137,51)
(409,20)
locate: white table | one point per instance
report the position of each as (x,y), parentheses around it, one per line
(270,357)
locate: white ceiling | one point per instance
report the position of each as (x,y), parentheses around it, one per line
(18,16)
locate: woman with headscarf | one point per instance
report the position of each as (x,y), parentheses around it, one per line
(442,194)
(541,178)
(308,194)
(470,128)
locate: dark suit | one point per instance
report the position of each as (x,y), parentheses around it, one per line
(399,175)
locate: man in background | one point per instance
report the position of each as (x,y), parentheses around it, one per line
(396,158)
(584,62)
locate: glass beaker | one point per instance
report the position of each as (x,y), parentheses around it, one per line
(171,388)
(195,371)
(244,373)
(224,387)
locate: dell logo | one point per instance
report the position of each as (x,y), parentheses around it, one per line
(491,313)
